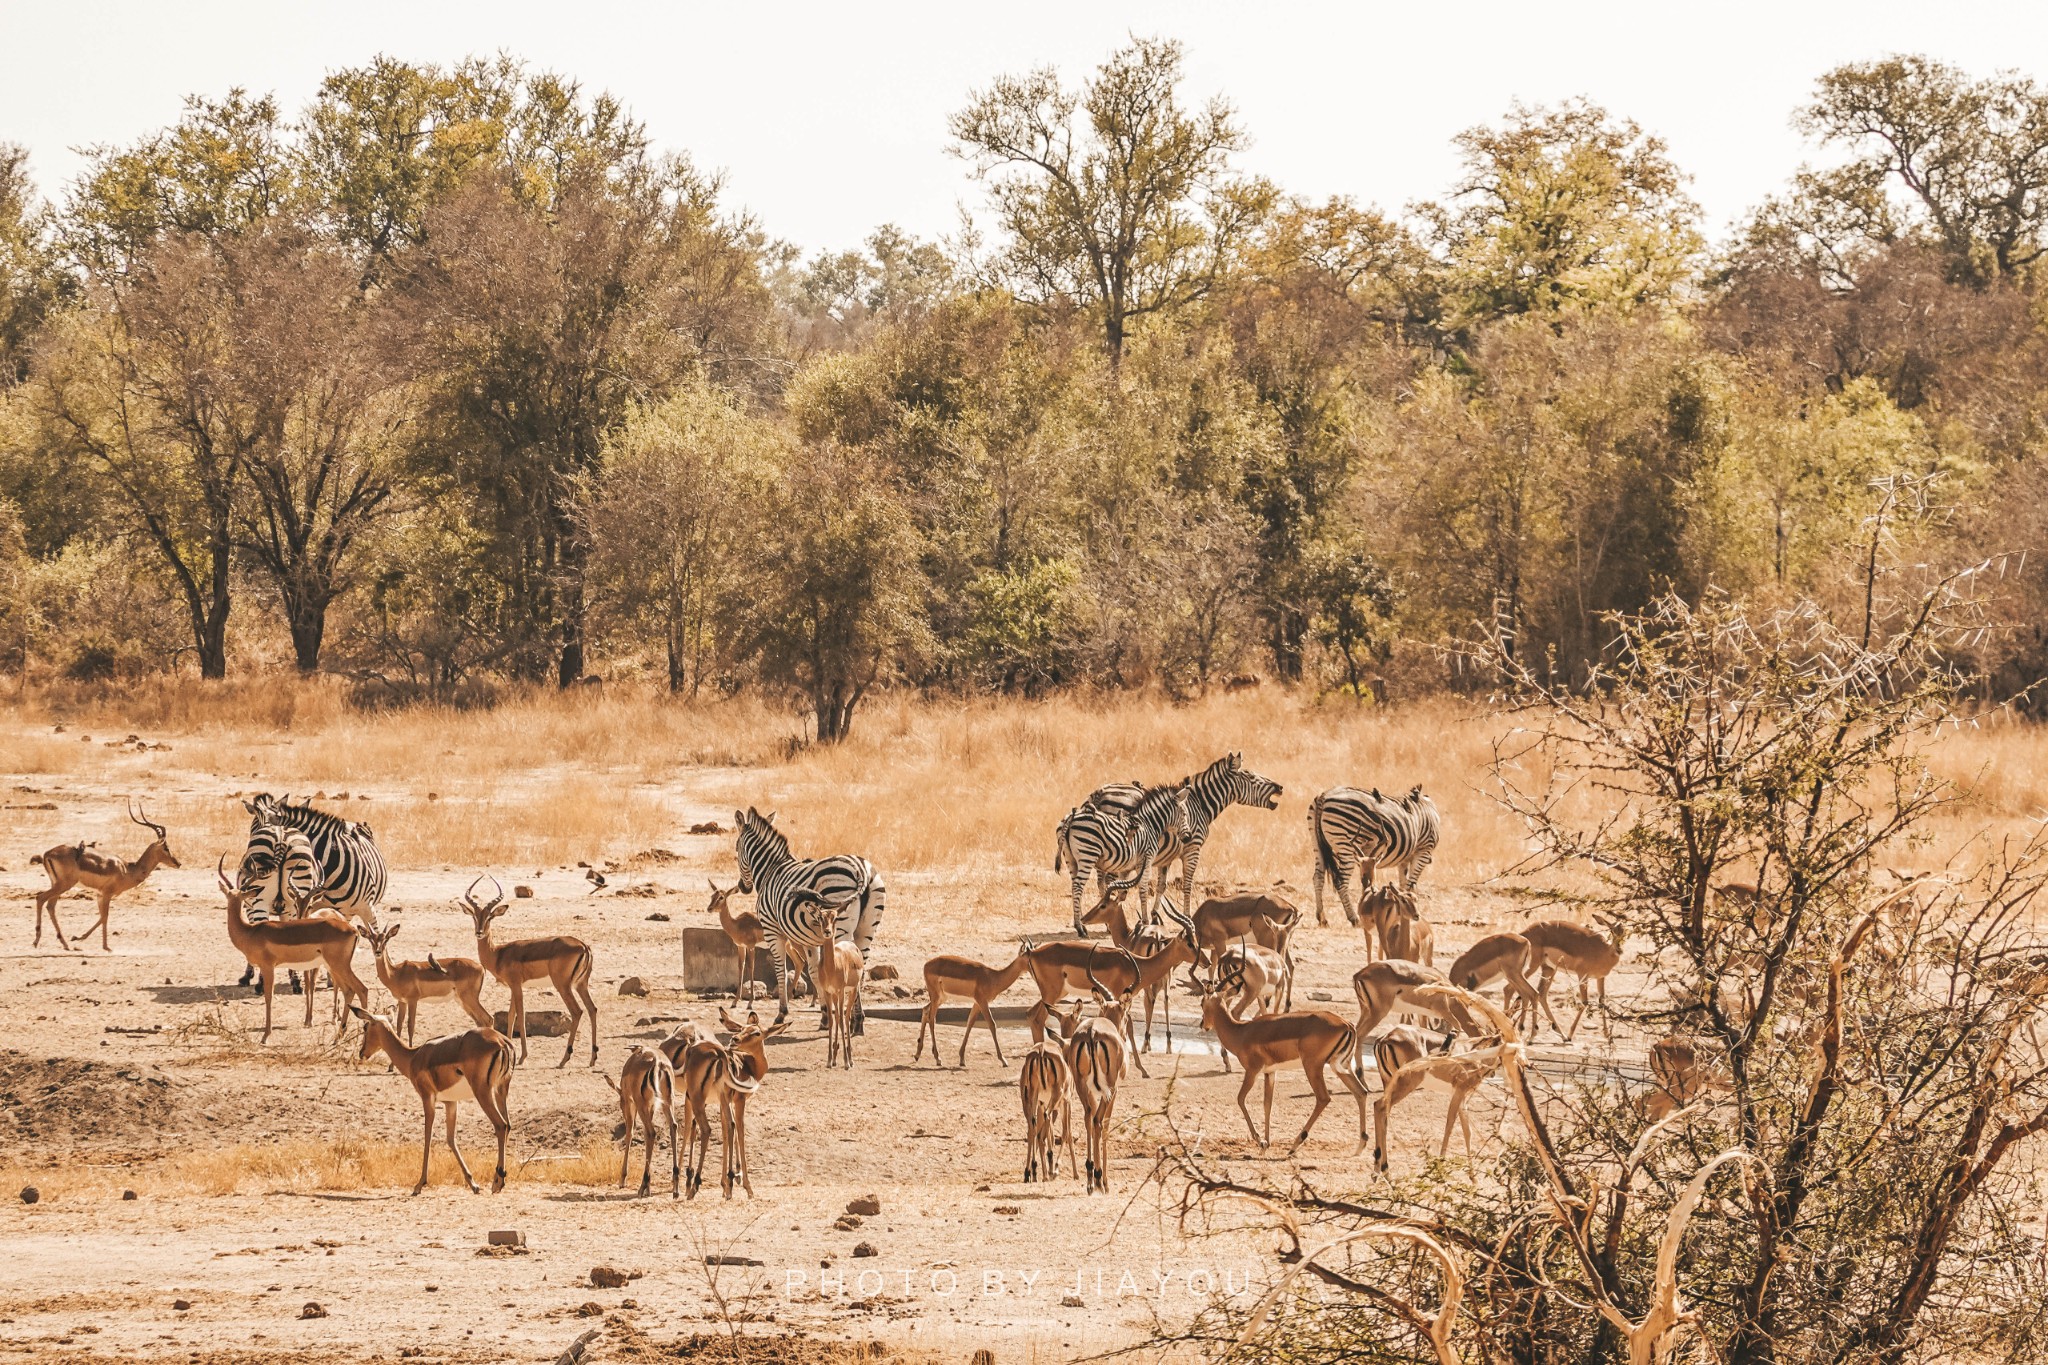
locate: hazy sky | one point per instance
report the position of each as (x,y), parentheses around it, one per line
(831,118)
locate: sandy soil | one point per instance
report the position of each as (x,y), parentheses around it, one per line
(116,1067)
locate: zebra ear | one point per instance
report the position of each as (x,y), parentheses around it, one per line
(739,817)
(769,818)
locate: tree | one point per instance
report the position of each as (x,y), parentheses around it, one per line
(1564,209)
(670,513)
(1971,154)
(1114,197)
(32,278)
(833,601)
(1349,602)
(842,295)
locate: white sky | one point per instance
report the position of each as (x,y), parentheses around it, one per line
(831,118)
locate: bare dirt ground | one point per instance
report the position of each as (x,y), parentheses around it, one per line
(268,1179)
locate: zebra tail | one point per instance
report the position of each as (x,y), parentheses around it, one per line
(1325,855)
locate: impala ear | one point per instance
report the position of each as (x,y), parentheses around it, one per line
(726,1021)
(357,1011)
(774,1029)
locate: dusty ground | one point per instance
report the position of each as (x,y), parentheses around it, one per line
(138,1069)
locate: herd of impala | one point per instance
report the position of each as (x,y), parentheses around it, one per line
(1236,951)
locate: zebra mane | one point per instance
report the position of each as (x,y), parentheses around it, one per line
(770,839)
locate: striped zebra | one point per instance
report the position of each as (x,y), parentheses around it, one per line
(278,871)
(1206,795)
(351,875)
(788,890)
(1355,829)
(1117,847)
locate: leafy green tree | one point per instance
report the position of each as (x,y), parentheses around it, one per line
(32,276)
(1113,196)
(1971,154)
(1349,601)
(833,602)
(1564,209)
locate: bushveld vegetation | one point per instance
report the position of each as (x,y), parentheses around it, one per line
(448,382)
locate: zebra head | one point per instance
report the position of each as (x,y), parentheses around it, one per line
(1165,809)
(1228,781)
(758,845)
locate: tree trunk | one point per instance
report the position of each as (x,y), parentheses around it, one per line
(1290,629)
(678,671)
(213,624)
(308,619)
(573,610)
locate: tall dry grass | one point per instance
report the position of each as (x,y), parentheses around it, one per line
(960,793)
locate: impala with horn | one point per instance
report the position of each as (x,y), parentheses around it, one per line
(72,865)
(566,962)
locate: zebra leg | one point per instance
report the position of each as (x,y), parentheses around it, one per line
(1190,856)
(779,954)
(1080,882)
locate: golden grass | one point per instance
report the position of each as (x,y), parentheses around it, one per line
(964,792)
(339,1163)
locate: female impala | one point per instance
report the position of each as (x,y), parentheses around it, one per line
(1095,1054)
(444,978)
(72,865)
(566,962)
(317,941)
(1407,1063)
(476,1065)
(647,1093)
(744,929)
(725,1073)
(951,977)
(1042,1085)
(1314,1038)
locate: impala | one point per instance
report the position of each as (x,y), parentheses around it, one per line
(647,1092)
(839,968)
(949,977)
(1684,1068)
(1095,1054)
(1381,986)
(70,865)
(1042,1085)
(1390,912)
(1590,956)
(447,978)
(318,940)
(1266,920)
(1261,972)
(566,962)
(1158,952)
(1314,1038)
(1509,959)
(726,1073)
(475,1065)
(743,928)
(1406,1063)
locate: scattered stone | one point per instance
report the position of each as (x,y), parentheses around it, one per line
(433,796)
(632,985)
(129,1194)
(509,1237)
(864,1249)
(717,1259)
(883,972)
(539,1023)
(644,890)
(1320,995)
(433,1289)
(983,1357)
(1071,1301)
(610,1277)
(180,1305)
(847,1222)
(591,1310)
(867,1206)
(522,893)
(902,992)
(1008,1208)
(30,1194)
(629,1303)
(312,1310)
(701,827)
(657,918)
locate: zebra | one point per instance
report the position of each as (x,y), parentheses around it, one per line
(278,871)
(1116,847)
(788,891)
(1366,830)
(1206,795)
(349,873)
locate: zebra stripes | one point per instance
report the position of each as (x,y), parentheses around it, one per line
(1117,848)
(787,892)
(351,873)
(1204,796)
(278,871)
(1355,829)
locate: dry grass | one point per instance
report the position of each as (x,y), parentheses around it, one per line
(961,791)
(330,1164)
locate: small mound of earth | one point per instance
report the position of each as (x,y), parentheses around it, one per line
(57,1098)
(644,859)
(559,1130)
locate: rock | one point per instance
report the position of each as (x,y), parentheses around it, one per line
(592,1309)
(433,796)
(180,1305)
(716,1258)
(522,893)
(657,918)
(1071,1301)
(632,985)
(610,1277)
(539,1023)
(1320,995)
(902,992)
(30,1194)
(864,1249)
(129,1194)
(312,1310)
(1007,1208)
(847,1222)
(883,972)
(867,1206)
(509,1237)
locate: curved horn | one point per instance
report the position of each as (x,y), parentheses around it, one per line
(221,870)
(144,820)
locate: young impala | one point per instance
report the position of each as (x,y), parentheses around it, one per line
(647,1095)
(1407,1061)
(476,1065)
(445,978)
(72,865)
(1095,1054)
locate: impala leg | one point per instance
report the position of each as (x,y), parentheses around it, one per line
(988,1016)
(675,1156)
(426,1143)
(1250,1078)
(467,1178)
(590,1009)
(1131,1033)
(1267,1140)
(566,989)
(492,1100)
(106,908)
(626,1115)
(269,993)
(516,1013)
(1066,1137)
(973,1010)
(312,989)
(928,1023)
(1321,1090)
(647,1166)
(1356,1086)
